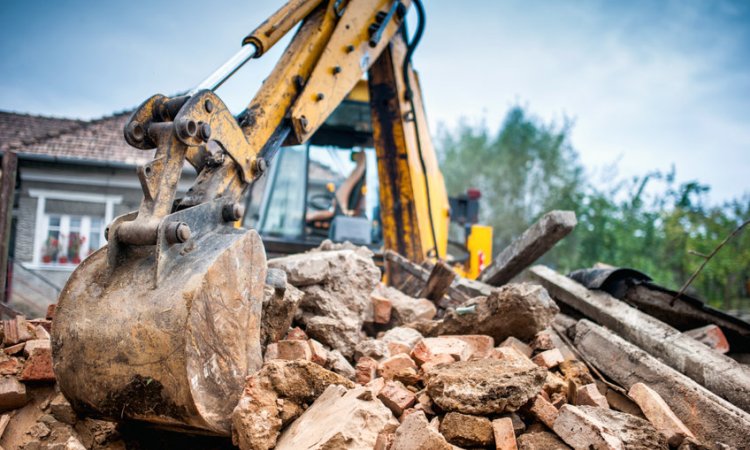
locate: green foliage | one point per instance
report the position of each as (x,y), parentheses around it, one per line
(649,223)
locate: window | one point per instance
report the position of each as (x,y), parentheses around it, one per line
(69,226)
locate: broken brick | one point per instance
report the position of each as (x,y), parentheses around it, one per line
(549,358)
(399,367)
(505,436)
(437,360)
(318,353)
(381,308)
(12,394)
(659,414)
(518,345)
(395,348)
(296,334)
(365,370)
(396,397)
(543,410)
(428,348)
(38,366)
(589,395)
(294,349)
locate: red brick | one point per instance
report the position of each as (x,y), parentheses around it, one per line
(375,386)
(16,330)
(318,353)
(32,345)
(712,336)
(365,370)
(505,436)
(294,349)
(543,410)
(436,361)
(399,367)
(428,348)
(549,359)
(589,395)
(395,348)
(381,308)
(39,366)
(396,397)
(296,334)
(518,345)
(12,394)
(481,345)
(272,352)
(659,413)
(10,366)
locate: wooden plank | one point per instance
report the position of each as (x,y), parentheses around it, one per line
(7,194)
(530,246)
(440,280)
(718,373)
(709,417)
(421,276)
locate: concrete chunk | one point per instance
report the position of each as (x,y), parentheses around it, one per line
(488,386)
(338,419)
(589,395)
(466,430)
(415,433)
(12,394)
(520,310)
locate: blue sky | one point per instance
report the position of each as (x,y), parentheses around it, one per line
(649,84)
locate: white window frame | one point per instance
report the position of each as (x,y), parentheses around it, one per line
(42,219)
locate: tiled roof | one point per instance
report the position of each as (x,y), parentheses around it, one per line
(98,140)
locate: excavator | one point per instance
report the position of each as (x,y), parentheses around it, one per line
(162,325)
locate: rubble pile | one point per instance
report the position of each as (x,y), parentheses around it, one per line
(351,363)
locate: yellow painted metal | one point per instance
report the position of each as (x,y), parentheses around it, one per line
(360,92)
(343,62)
(281,88)
(479,245)
(279,24)
(406,214)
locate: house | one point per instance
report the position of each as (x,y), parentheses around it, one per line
(74,177)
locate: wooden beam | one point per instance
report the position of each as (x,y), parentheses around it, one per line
(530,246)
(7,194)
(440,280)
(709,417)
(718,373)
(419,276)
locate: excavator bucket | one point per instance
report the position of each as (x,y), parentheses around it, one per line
(163,324)
(175,354)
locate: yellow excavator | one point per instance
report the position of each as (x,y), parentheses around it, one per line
(162,325)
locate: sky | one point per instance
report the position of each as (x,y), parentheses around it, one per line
(648,84)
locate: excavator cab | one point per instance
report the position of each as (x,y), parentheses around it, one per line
(338,196)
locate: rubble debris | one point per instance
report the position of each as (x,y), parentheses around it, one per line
(633,432)
(519,310)
(589,395)
(428,348)
(541,440)
(711,418)
(399,367)
(408,336)
(543,410)
(530,246)
(291,350)
(466,430)
(16,330)
(488,386)
(339,364)
(504,434)
(549,358)
(61,410)
(280,301)
(381,309)
(372,348)
(12,394)
(415,433)
(718,373)
(518,345)
(339,418)
(406,309)
(336,288)
(396,397)
(365,370)
(659,414)
(711,336)
(38,366)
(257,418)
